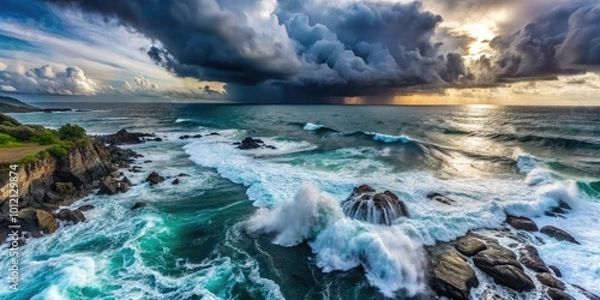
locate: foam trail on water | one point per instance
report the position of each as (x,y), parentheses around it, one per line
(181,120)
(386,138)
(301,218)
(312,127)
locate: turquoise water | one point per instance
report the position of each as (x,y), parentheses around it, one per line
(266,224)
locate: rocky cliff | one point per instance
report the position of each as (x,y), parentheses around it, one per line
(49,182)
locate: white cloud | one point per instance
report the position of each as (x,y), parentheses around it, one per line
(70,81)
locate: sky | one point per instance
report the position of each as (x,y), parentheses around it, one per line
(507,52)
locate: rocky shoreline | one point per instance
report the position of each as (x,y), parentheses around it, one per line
(47,184)
(452,266)
(453,269)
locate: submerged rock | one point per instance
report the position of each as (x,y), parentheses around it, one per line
(504,269)
(556,271)
(440,198)
(377,208)
(86,207)
(68,215)
(586,293)
(155,178)
(522,223)
(251,143)
(449,273)
(138,205)
(176,181)
(558,234)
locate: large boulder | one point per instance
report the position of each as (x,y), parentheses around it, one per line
(522,223)
(531,259)
(155,178)
(124,185)
(504,269)
(469,244)
(556,294)
(377,208)
(36,221)
(449,274)
(109,186)
(548,280)
(74,216)
(558,234)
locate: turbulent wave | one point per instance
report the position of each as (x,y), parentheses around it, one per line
(389,255)
(545,141)
(299,219)
(181,120)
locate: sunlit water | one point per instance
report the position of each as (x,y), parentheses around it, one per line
(204,237)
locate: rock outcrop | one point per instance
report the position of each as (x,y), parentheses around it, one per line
(448,272)
(503,268)
(470,244)
(558,234)
(124,137)
(522,223)
(46,183)
(252,143)
(377,208)
(154,178)
(531,259)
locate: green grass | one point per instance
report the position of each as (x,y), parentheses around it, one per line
(14,135)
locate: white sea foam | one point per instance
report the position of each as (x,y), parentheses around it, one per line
(181,120)
(392,261)
(312,127)
(296,220)
(386,138)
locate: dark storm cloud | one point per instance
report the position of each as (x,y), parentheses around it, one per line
(303,44)
(553,42)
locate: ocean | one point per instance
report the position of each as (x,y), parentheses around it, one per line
(267,224)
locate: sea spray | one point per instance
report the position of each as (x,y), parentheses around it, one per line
(392,261)
(312,127)
(296,220)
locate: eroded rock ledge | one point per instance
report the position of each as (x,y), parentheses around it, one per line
(48,183)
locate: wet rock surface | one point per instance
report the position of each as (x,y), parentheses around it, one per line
(522,223)
(558,234)
(449,274)
(378,208)
(154,178)
(504,269)
(440,198)
(530,258)
(470,244)
(250,143)
(138,205)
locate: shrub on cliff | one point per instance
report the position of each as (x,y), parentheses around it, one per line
(8,121)
(61,149)
(46,137)
(7,140)
(70,132)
